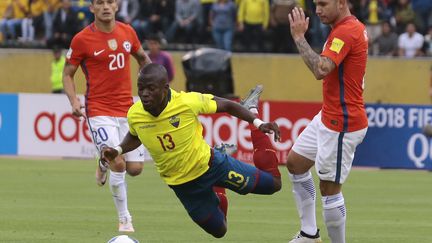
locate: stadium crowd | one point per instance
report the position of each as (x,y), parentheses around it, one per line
(395,27)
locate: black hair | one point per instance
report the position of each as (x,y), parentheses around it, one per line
(153,72)
(154,37)
(56,49)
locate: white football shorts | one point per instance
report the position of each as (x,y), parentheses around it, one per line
(110,131)
(333,152)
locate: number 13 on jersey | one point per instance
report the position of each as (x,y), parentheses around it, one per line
(166,141)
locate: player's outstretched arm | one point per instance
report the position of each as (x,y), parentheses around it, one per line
(319,65)
(129,143)
(69,88)
(237,110)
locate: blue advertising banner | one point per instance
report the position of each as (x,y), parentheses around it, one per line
(8,124)
(395,139)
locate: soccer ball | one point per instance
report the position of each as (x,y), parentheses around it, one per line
(123,239)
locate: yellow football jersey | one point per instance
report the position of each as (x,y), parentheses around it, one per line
(174,138)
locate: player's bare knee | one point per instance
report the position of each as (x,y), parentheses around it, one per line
(134,168)
(134,171)
(328,188)
(294,167)
(291,164)
(298,164)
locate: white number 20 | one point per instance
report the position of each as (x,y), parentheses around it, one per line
(117,61)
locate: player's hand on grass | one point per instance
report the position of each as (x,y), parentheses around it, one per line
(271,128)
(109,153)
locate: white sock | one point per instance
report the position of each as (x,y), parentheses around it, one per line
(305,195)
(119,192)
(335,217)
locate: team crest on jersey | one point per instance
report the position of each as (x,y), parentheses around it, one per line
(175,121)
(127,46)
(112,44)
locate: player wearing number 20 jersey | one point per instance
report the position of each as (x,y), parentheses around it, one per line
(103,50)
(104,59)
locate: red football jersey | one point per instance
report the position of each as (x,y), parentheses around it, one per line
(343,106)
(105,60)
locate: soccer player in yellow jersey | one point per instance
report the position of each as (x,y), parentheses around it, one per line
(166,122)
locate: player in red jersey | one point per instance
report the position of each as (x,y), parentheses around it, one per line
(330,140)
(103,50)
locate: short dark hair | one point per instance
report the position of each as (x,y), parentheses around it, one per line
(153,72)
(56,49)
(154,37)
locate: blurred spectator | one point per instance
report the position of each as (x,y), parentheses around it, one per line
(14,14)
(222,22)
(206,6)
(404,14)
(81,7)
(428,42)
(410,43)
(142,23)
(51,7)
(128,10)
(387,43)
(373,14)
(356,8)
(65,26)
(187,13)
(163,15)
(253,19)
(3,7)
(57,65)
(158,56)
(423,11)
(37,8)
(282,40)
(27,29)
(318,32)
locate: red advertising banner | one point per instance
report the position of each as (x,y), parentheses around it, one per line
(47,128)
(292,118)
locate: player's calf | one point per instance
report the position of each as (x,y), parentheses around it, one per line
(266,160)
(266,183)
(223,200)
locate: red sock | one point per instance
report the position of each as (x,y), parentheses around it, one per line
(264,154)
(223,200)
(223,203)
(219,189)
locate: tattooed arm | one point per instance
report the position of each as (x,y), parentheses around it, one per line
(319,65)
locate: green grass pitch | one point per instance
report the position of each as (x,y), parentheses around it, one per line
(58,201)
